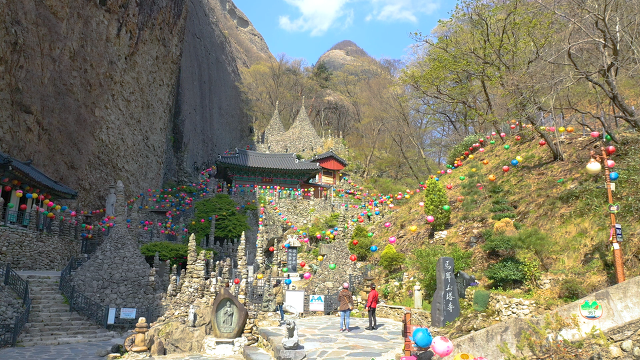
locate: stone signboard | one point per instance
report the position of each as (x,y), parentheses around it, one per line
(229,316)
(445,306)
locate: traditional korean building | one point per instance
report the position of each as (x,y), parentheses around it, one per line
(248,168)
(19,180)
(331,165)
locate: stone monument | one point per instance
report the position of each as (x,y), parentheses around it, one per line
(141,328)
(445,306)
(192,316)
(463,281)
(290,340)
(110,208)
(229,316)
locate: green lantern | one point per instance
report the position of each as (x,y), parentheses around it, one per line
(492,142)
(506,147)
(446,208)
(370,234)
(607,137)
(332,266)
(462,177)
(284,270)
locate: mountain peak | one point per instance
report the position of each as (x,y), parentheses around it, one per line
(343,53)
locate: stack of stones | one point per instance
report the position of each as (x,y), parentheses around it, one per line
(192,287)
(10,305)
(242,269)
(118,275)
(507,308)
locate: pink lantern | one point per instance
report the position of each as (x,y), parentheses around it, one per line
(595,134)
(442,346)
(493,133)
(387,224)
(420,204)
(430,219)
(481,150)
(392,240)
(611,163)
(449,171)
(503,134)
(552,129)
(306,276)
(73,213)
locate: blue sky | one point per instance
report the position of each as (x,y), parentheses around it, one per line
(308,28)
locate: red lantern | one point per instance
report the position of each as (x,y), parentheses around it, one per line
(355,242)
(513,127)
(302,264)
(460,199)
(610,149)
(449,186)
(518,137)
(466,153)
(353,257)
(272,249)
(505,168)
(23,207)
(236,281)
(7,188)
(542,143)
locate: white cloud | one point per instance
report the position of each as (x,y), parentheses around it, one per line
(401,10)
(317,16)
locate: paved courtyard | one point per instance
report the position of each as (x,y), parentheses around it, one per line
(319,336)
(322,339)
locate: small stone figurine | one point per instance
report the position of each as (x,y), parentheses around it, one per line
(192,316)
(141,328)
(290,340)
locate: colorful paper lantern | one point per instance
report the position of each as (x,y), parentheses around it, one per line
(373,248)
(332,266)
(614,176)
(303,264)
(431,218)
(505,168)
(442,346)
(353,257)
(306,276)
(236,281)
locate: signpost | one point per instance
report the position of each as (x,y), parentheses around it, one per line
(316,303)
(445,306)
(127,313)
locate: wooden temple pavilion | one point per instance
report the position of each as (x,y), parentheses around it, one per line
(331,165)
(252,169)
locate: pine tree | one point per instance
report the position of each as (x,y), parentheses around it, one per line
(435,198)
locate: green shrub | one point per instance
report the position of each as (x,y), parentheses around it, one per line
(390,259)
(425,260)
(501,208)
(363,249)
(495,189)
(506,272)
(176,253)
(571,289)
(435,198)
(461,147)
(501,216)
(481,300)
(331,221)
(230,223)
(499,201)
(499,242)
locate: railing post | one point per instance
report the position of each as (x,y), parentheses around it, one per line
(105,316)
(7,272)
(73,290)
(26,293)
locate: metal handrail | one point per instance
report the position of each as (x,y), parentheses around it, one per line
(9,332)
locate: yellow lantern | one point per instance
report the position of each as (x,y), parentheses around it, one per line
(413,228)
(471,157)
(260,276)
(58,207)
(320,258)
(561,129)
(519,158)
(46,202)
(463,356)
(473,169)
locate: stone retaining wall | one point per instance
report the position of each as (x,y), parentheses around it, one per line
(30,250)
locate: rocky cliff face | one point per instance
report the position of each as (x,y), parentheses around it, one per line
(98,90)
(208,116)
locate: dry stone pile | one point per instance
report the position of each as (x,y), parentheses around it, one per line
(507,308)
(118,275)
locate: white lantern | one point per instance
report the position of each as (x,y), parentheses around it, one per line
(593,167)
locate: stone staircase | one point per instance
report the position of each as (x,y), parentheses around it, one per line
(51,323)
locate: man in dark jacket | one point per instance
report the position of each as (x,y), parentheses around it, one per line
(372,304)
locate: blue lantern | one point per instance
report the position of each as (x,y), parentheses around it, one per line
(514,162)
(374,248)
(287,281)
(614,176)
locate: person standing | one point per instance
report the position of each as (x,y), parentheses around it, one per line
(346,305)
(278,293)
(372,304)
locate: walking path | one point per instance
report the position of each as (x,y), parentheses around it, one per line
(319,336)
(322,340)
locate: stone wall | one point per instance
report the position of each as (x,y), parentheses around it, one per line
(31,250)
(10,305)
(621,315)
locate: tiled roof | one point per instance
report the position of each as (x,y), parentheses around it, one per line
(330,154)
(37,176)
(254,159)
(4,159)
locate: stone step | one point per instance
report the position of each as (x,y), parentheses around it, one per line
(63,331)
(86,335)
(64,340)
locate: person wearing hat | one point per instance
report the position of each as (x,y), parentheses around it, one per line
(372,304)
(346,305)
(278,293)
